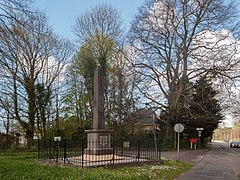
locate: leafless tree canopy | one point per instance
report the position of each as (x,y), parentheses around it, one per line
(102,20)
(176,41)
(100,34)
(30,54)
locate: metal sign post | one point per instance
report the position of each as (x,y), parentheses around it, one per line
(199,136)
(57,139)
(178,128)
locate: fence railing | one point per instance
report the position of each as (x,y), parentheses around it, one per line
(97,153)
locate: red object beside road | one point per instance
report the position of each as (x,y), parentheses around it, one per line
(193,140)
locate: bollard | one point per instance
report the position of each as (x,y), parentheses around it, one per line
(193,141)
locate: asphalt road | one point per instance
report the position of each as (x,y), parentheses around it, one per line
(221,162)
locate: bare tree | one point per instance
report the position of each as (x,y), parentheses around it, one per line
(102,21)
(7,119)
(30,54)
(176,42)
(99,32)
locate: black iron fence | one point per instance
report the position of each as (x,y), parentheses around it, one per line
(98,153)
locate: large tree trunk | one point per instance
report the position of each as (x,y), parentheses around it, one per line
(31,112)
(168,136)
(29,137)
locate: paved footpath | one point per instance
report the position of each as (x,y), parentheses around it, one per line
(217,163)
(190,156)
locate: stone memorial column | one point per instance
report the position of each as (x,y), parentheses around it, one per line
(98,138)
(98,100)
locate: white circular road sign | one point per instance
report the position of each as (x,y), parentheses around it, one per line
(178,127)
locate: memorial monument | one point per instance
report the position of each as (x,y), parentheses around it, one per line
(98,138)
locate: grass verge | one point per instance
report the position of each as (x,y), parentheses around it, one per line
(22,166)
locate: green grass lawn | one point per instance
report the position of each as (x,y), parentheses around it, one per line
(22,165)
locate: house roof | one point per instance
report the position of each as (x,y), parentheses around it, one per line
(146,116)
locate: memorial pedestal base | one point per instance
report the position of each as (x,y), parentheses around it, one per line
(98,142)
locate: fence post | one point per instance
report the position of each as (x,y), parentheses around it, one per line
(50,144)
(121,147)
(65,151)
(38,148)
(160,151)
(82,151)
(56,145)
(138,146)
(113,151)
